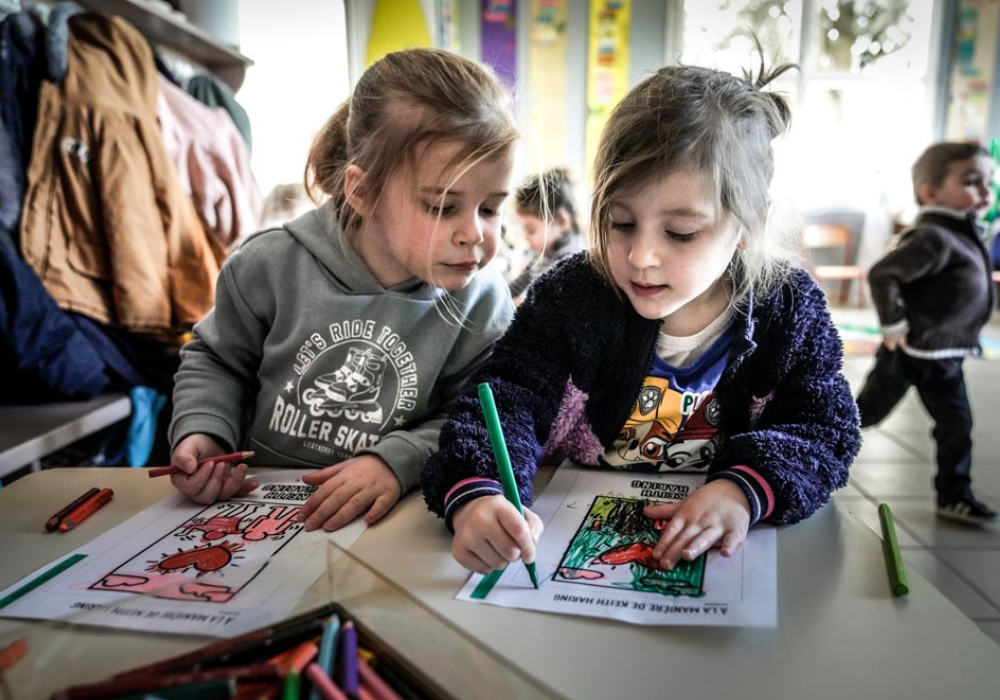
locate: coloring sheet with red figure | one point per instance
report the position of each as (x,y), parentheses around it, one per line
(179,567)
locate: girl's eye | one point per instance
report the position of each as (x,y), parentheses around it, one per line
(681,237)
(439,210)
(489,212)
(622,226)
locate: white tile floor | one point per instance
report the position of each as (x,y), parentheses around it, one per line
(896,465)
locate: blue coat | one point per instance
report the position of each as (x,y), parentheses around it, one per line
(576,347)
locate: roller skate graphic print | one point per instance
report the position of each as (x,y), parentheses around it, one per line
(352,383)
(355,386)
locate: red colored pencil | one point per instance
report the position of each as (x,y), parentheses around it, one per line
(143,685)
(13,652)
(233,457)
(52,523)
(85,510)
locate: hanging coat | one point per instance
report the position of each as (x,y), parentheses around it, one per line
(106,223)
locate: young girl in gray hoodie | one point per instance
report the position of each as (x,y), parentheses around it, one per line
(338,340)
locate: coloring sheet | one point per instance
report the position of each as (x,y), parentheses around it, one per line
(595,559)
(219,570)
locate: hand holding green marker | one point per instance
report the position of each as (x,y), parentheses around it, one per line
(502,458)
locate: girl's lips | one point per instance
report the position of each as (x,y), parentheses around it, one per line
(463,267)
(647,290)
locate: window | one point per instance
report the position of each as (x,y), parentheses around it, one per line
(861,102)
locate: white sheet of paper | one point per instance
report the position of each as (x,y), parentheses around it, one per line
(179,567)
(590,559)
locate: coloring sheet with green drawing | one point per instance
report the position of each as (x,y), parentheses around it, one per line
(594,559)
(179,567)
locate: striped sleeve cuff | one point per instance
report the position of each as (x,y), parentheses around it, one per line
(896,330)
(465,491)
(754,487)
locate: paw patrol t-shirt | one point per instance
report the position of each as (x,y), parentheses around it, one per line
(674,425)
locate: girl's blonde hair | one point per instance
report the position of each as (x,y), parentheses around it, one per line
(712,123)
(407,99)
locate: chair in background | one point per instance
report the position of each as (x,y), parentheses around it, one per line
(834,236)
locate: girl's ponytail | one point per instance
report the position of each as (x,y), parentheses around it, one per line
(324,174)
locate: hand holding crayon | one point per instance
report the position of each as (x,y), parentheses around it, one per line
(232,457)
(502,459)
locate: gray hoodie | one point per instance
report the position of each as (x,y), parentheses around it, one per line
(307,360)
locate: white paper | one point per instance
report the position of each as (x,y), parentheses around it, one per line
(179,567)
(589,559)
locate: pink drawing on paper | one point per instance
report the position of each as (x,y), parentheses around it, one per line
(210,557)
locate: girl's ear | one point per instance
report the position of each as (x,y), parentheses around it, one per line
(355,191)
(741,241)
(927,193)
(562,222)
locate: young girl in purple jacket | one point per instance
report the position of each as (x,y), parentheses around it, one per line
(685,340)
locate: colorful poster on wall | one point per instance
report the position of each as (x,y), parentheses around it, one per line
(446,12)
(396,25)
(607,66)
(546,93)
(498,38)
(973,75)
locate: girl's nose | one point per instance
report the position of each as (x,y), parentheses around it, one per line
(641,254)
(468,231)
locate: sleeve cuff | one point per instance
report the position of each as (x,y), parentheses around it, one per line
(404,459)
(754,487)
(205,423)
(466,491)
(896,330)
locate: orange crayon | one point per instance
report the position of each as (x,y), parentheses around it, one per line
(85,510)
(12,653)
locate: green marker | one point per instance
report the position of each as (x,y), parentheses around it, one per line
(42,578)
(502,458)
(893,559)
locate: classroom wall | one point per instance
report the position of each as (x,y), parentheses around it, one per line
(973,100)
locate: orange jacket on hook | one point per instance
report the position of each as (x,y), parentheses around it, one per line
(106,224)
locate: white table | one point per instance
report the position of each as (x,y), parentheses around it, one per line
(840,633)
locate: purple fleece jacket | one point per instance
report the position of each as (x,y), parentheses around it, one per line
(567,373)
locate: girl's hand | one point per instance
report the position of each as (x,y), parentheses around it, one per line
(490,533)
(210,482)
(348,489)
(717,510)
(891,342)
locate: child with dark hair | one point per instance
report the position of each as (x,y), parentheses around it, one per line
(547,214)
(933,293)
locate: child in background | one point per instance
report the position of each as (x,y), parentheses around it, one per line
(701,347)
(545,210)
(934,293)
(339,338)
